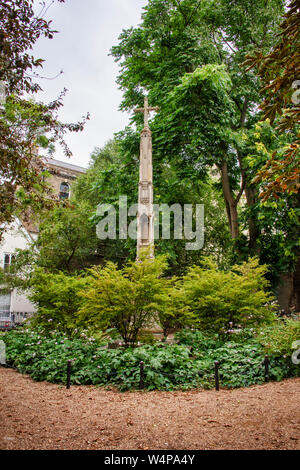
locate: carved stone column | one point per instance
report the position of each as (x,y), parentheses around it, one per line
(145,217)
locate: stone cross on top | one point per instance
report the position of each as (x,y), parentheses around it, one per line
(146,110)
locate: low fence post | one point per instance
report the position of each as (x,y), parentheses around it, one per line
(141,386)
(217,376)
(69,365)
(267,363)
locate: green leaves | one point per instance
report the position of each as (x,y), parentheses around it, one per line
(138,295)
(127,299)
(25,125)
(219,298)
(56,296)
(278,70)
(167,367)
(67,238)
(187,56)
(278,340)
(215,75)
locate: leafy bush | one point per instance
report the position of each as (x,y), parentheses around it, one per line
(57,298)
(138,296)
(174,313)
(221,300)
(127,299)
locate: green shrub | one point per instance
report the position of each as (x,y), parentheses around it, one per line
(174,313)
(56,296)
(166,368)
(127,299)
(222,300)
(239,365)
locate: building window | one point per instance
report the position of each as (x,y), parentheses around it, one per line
(5,302)
(64,191)
(8,260)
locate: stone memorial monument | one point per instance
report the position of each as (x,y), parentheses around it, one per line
(145,216)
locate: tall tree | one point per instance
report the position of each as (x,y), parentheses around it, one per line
(187,55)
(24,124)
(114,173)
(279,71)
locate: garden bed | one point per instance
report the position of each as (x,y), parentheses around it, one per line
(184,366)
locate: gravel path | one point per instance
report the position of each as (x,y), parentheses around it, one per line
(40,415)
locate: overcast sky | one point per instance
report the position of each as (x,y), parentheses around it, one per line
(87,31)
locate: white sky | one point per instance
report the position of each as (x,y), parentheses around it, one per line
(87,31)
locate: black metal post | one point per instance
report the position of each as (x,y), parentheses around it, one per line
(69,365)
(217,376)
(141,375)
(267,363)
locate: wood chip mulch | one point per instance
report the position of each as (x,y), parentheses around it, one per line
(41,415)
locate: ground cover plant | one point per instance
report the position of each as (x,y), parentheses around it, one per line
(187,364)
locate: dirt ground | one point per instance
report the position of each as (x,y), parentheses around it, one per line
(40,415)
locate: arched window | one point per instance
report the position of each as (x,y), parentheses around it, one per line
(64,191)
(9,258)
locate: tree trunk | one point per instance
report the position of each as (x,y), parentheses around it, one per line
(231,203)
(234,221)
